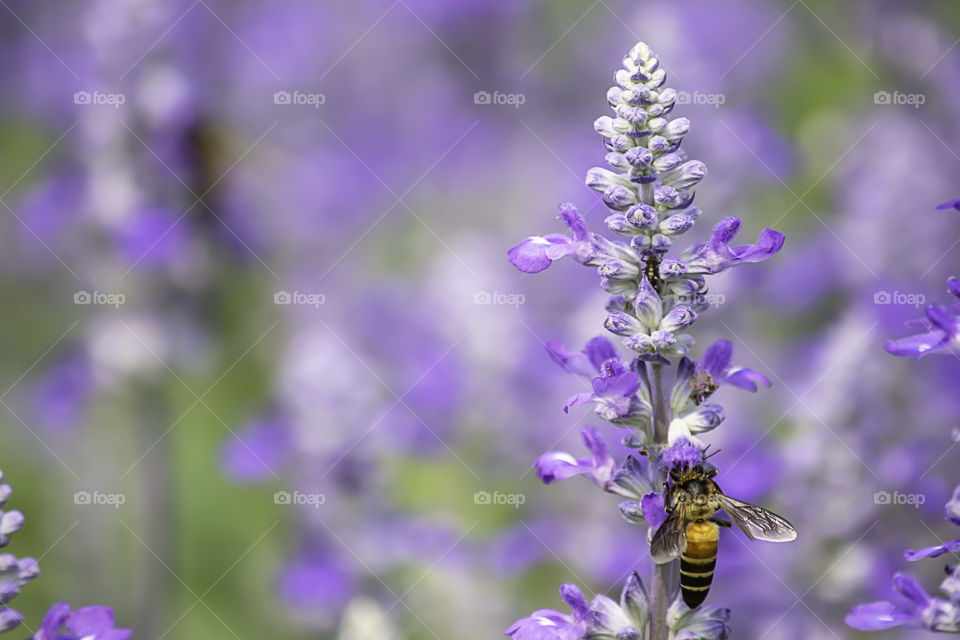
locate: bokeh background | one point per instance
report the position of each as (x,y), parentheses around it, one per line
(253,247)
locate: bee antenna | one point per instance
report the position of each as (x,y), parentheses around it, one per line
(712,454)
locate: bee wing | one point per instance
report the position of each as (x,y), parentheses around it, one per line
(670,540)
(757,522)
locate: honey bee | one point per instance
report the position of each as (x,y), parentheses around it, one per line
(702,386)
(691,531)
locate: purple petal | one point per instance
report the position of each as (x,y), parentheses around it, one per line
(571,218)
(618,386)
(952,204)
(724,231)
(770,243)
(876,616)
(916,346)
(572,595)
(580,398)
(941,317)
(594,443)
(577,362)
(52,621)
(558,465)
(90,621)
(717,358)
(911,589)
(530,256)
(599,350)
(744,378)
(931,552)
(653,509)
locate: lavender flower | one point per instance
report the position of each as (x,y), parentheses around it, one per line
(655,298)
(14,572)
(547,624)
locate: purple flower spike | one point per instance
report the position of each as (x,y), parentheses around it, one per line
(717,362)
(717,255)
(88,623)
(559,465)
(536,253)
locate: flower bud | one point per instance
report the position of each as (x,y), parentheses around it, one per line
(667,197)
(618,161)
(676,224)
(667,162)
(642,216)
(634,115)
(648,307)
(622,324)
(658,144)
(618,223)
(677,129)
(687,175)
(639,156)
(680,317)
(618,270)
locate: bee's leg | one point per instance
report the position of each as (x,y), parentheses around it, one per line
(721,522)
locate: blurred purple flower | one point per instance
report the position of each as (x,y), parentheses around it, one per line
(316,583)
(952,204)
(917,610)
(257,452)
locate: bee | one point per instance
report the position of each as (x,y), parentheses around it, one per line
(691,531)
(702,386)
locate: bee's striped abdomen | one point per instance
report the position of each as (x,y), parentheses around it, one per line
(698,562)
